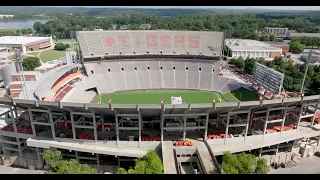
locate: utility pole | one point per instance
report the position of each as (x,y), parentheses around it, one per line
(305,73)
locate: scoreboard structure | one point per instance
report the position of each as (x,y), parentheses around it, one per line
(268,78)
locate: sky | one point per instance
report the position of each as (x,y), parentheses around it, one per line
(221,7)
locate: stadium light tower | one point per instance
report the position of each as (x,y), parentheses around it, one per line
(305,73)
(19,66)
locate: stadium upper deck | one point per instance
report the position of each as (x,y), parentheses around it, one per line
(132,42)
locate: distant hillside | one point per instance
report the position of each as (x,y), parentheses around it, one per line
(111,12)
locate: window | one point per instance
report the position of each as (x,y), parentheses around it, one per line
(212,70)
(106,53)
(91,54)
(148,68)
(147,52)
(135,68)
(120,52)
(187,68)
(92,72)
(134,52)
(109,70)
(122,69)
(174,68)
(160,52)
(199,69)
(161,68)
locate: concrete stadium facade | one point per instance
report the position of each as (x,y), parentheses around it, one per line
(118,132)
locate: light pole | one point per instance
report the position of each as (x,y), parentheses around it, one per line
(21,74)
(305,73)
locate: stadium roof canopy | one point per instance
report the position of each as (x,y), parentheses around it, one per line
(44,88)
(133,42)
(21,39)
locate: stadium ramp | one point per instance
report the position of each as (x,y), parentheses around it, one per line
(169,157)
(107,148)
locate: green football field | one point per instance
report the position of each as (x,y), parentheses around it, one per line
(188,96)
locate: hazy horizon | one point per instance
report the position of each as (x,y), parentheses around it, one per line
(212,7)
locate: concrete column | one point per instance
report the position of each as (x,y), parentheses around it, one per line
(247,126)
(140,124)
(2,145)
(315,113)
(13,120)
(39,158)
(31,122)
(117,128)
(119,161)
(184,126)
(206,128)
(19,147)
(161,126)
(260,152)
(102,121)
(227,128)
(300,114)
(65,119)
(52,125)
(95,127)
(318,142)
(98,163)
(277,149)
(284,118)
(73,128)
(77,156)
(307,141)
(266,122)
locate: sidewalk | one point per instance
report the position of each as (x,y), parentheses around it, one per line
(11,170)
(308,165)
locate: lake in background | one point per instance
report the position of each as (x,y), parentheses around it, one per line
(20,24)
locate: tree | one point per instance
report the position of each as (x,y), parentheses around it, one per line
(272,38)
(264,38)
(239,62)
(37,26)
(243,164)
(60,47)
(148,164)
(60,166)
(18,32)
(30,63)
(67,45)
(296,47)
(24,31)
(249,63)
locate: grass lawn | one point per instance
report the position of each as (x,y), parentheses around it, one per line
(49,55)
(240,94)
(154,96)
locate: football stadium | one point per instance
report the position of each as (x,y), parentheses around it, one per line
(126,92)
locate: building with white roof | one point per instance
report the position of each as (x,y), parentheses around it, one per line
(25,43)
(251,49)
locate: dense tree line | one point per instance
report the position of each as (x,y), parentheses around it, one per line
(18,32)
(309,41)
(239,26)
(293,73)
